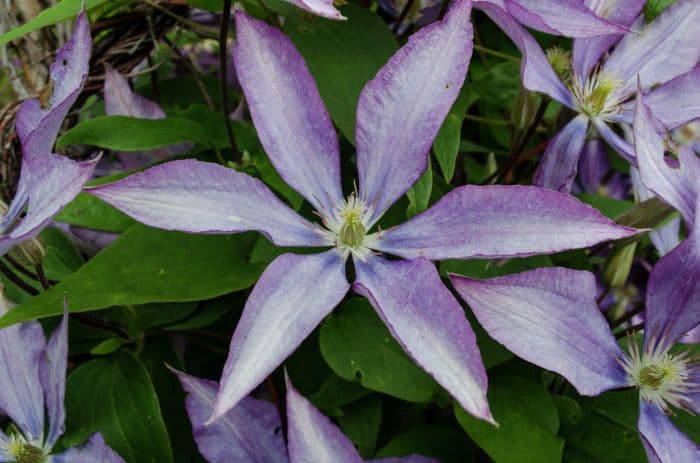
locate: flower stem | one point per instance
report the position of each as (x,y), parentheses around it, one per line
(223,69)
(495,53)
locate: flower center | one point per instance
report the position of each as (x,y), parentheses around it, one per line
(663,378)
(351,217)
(24,452)
(594,95)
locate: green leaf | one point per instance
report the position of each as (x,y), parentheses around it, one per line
(419,194)
(446,444)
(115,396)
(336,392)
(62,257)
(90,212)
(361,421)
(342,56)
(106,347)
(66,9)
(609,207)
(489,268)
(125,133)
(147,265)
(447,143)
(150,315)
(357,346)
(528,422)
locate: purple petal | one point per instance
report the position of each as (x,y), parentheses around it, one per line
(52,374)
(557,169)
(622,147)
(401,110)
(664,49)
(673,291)
(677,185)
(587,52)
(21,348)
(323,8)
(289,300)
(289,115)
(430,325)
(535,71)
(593,165)
(47,183)
(500,221)
(38,123)
(549,317)
(663,442)
(94,450)
(312,436)
(202,197)
(677,101)
(250,433)
(570,18)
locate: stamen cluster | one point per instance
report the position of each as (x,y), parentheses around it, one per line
(595,96)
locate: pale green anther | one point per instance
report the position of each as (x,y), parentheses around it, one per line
(30,454)
(653,376)
(352,232)
(560,60)
(598,98)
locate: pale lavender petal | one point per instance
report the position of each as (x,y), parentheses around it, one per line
(428,322)
(663,442)
(94,450)
(549,317)
(202,197)
(622,147)
(52,374)
(677,101)
(401,110)
(499,221)
(250,433)
(38,122)
(289,300)
(289,115)
(536,73)
(21,348)
(47,183)
(312,436)
(323,8)
(593,165)
(557,168)
(667,47)
(587,52)
(673,292)
(570,18)
(678,184)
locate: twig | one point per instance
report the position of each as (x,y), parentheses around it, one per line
(10,275)
(223,69)
(42,276)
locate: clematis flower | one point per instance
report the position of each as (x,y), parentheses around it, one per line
(549,317)
(32,388)
(120,100)
(251,432)
(398,116)
(48,181)
(664,53)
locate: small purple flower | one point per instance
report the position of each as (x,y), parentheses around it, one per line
(398,116)
(251,432)
(48,181)
(664,53)
(32,386)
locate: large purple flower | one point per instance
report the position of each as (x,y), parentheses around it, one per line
(252,431)
(48,181)
(32,385)
(664,53)
(398,116)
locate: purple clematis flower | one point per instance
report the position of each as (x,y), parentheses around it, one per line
(398,116)
(252,431)
(549,317)
(120,100)
(32,385)
(48,181)
(665,52)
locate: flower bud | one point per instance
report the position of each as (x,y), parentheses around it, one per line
(618,266)
(525,109)
(29,253)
